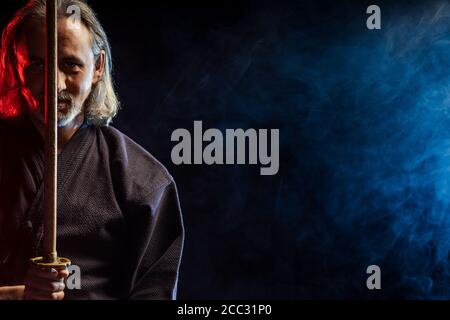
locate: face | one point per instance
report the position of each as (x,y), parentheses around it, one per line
(78,69)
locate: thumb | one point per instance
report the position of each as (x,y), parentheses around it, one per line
(63,273)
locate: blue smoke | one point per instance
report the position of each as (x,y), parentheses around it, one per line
(373,117)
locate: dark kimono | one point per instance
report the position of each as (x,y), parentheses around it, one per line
(119,217)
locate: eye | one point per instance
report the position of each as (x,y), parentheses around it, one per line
(36,64)
(71,65)
(35,67)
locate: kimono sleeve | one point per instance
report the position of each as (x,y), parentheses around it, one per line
(157,237)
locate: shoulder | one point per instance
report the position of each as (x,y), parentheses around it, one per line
(17,132)
(3,130)
(137,172)
(6,129)
(8,138)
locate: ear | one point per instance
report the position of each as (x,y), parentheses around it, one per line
(99,67)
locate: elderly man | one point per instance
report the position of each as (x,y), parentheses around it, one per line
(119,218)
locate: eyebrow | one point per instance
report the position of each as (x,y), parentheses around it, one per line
(73,58)
(70,58)
(34,58)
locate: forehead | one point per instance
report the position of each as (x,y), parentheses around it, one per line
(72,39)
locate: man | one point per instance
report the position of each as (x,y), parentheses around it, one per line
(119,217)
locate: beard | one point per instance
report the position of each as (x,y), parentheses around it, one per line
(67,109)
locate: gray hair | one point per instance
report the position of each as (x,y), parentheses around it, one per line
(102,103)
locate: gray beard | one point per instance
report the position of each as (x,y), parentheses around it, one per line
(65,118)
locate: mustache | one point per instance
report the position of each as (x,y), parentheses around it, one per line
(64,97)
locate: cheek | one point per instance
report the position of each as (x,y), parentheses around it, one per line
(33,89)
(34,83)
(81,86)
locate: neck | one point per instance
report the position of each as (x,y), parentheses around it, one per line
(64,133)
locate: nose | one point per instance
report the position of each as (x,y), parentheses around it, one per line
(61,81)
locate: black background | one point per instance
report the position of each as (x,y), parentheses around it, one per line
(247,236)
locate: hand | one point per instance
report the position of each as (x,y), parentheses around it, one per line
(44,284)
(12,293)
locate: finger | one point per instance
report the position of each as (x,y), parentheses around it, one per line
(64,273)
(58,295)
(35,272)
(33,294)
(45,284)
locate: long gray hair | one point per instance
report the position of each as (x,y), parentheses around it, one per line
(102,104)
